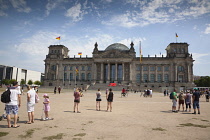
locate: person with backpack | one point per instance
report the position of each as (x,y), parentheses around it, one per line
(14,104)
(173,97)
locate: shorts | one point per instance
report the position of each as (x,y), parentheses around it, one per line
(174,102)
(11,109)
(196,104)
(77,101)
(181,102)
(98,99)
(30,107)
(109,100)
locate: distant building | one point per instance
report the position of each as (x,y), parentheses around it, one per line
(119,64)
(8,72)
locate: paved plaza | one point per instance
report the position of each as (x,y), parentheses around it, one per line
(132,117)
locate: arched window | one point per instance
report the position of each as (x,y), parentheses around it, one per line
(71,77)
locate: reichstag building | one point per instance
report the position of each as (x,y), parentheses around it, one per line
(119,64)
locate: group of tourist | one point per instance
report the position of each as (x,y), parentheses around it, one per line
(13,106)
(186,99)
(109,97)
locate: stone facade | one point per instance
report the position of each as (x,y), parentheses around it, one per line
(119,64)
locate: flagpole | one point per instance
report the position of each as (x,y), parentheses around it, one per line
(140,65)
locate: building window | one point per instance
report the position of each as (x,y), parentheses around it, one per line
(65,68)
(159,78)
(182,50)
(152,68)
(83,77)
(71,68)
(166,68)
(166,78)
(83,68)
(180,68)
(145,68)
(58,51)
(55,51)
(138,68)
(159,68)
(145,78)
(138,76)
(53,67)
(71,77)
(180,78)
(88,68)
(65,76)
(152,78)
(53,76)
(51,51)
(89,77)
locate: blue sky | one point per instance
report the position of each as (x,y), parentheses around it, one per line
(29,27)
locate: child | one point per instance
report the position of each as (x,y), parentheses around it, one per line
(77,96)
(46,106)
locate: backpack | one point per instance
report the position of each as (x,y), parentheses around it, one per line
(171,96)
(5,96)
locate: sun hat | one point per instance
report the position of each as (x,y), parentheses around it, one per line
(45,94)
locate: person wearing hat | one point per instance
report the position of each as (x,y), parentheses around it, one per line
(46,106)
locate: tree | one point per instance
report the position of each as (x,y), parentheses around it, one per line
(12,81)
(37,83)
(22,82)
(30,82)
(6,81)
(203,82)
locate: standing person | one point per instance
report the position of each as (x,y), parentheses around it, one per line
(195,97)
(123,92)
(150,93)
(174,101)
(46,106)
(98,100)
(36,89)
(59,89)
(167,92)
(30,104)
(12,106)
(164,92)
(188,101)
(55,90)
(76,100)
(207,95)
(181,101)
(110,97)
(107,91)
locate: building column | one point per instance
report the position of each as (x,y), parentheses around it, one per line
(116,72)
(123,70)
(163,74)
(156,73)
(175,66)
(148,73)
(188,73)
(108,73)
(141,73)
(102,73)
(94,72)
(56,75)
(131,72)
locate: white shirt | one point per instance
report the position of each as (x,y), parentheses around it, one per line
(14,96)
(32,94)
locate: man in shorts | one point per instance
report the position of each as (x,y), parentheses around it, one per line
(195,97)
(12,106)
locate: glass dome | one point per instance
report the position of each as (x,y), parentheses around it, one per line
(117,46)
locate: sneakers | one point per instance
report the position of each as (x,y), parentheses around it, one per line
(198,112)
(194,113)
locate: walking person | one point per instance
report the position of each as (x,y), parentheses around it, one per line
(181,101)
(30,104)
(110,97)
(76,100)
(207,95)
(188,101)
(55,90)
(46,106)
(150,93)
(195,97)
(98,100)
(59,90)
(13,106)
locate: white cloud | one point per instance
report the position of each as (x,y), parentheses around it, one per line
(207,30)
(36,45)
(20,6)
(159,11)
(76,13)
(3,7)
(198,57)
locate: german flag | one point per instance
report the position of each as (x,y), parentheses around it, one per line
(177,35)
(79,53)
(58,38)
